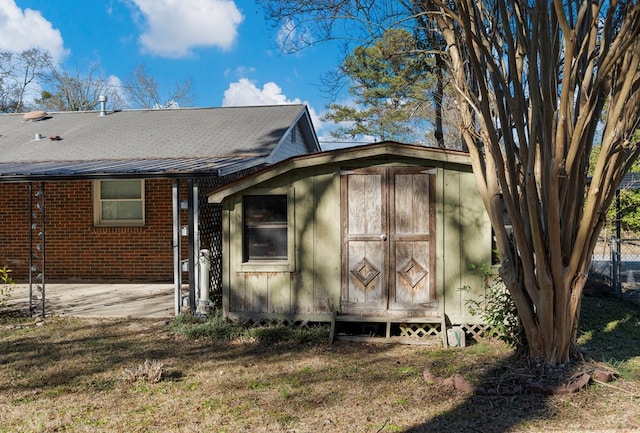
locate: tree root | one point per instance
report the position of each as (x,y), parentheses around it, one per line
(523,384)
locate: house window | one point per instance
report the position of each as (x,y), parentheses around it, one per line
(265,228)
(119,202)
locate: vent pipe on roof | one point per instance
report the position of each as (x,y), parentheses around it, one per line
(103,105)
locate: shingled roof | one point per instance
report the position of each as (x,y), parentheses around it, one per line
(147,142)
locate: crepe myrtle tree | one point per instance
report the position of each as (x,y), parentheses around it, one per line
(538,81)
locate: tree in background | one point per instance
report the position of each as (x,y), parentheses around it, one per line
(390,89)
(31,73)
(20,71)
(361,26)
(76,92)
(141,90)
(535,80)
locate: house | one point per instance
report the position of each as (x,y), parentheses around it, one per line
(117,195)
(379,235)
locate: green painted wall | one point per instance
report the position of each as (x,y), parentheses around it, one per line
(309,284)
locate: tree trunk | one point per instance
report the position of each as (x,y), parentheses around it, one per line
(541,72)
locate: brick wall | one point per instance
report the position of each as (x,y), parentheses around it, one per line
(75,248)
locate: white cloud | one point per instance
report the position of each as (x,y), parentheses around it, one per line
(173,28)
(21,30)
(291,38)
(244,92)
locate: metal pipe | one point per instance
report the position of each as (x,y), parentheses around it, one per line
(177,265)
(191,246)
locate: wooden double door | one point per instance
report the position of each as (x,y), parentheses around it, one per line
(388,241)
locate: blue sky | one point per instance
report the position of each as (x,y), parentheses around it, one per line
(226,47)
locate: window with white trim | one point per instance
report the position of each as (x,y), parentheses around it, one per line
(118,202)
(265,228)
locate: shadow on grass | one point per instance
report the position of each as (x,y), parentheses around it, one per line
(69,356)
(609,331)
(71,353)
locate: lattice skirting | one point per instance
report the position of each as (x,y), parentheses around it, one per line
(420,330)
(407,330)
(477,330)
(272,322)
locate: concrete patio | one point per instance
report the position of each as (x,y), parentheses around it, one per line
(100,300)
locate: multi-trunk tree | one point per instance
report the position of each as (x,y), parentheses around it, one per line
(539,83)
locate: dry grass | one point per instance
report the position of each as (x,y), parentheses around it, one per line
(67,375)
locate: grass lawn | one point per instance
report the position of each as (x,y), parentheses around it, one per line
(73,375)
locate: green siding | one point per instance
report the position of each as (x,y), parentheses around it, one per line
(312,287)
(467,241)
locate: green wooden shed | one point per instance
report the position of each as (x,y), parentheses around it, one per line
(380,235)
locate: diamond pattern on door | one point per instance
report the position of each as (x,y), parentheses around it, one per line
(412,273)
(365,272)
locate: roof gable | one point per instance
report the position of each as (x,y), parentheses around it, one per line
(387,149)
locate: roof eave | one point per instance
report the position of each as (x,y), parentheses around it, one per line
(339,155)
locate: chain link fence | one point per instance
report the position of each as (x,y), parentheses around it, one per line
(616,264)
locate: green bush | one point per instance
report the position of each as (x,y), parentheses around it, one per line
(496,308)
(6,286)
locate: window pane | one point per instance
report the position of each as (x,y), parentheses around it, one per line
(120,189)
(262,209)
(265,227)
(121,210)
(267,243)
(109,210)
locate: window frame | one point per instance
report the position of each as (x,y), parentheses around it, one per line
(262,265)
(98,221)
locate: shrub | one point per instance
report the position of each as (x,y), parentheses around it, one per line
(6,286)
(150,371)
(497,308)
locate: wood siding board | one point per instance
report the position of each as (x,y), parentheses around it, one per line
(326,239)
(438,188)
(302,281)
(373,212)
(433,294)
(236,279)
(344,244)
(279,292)
(453,245)
(476,249)
(404,212)
(257,294)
